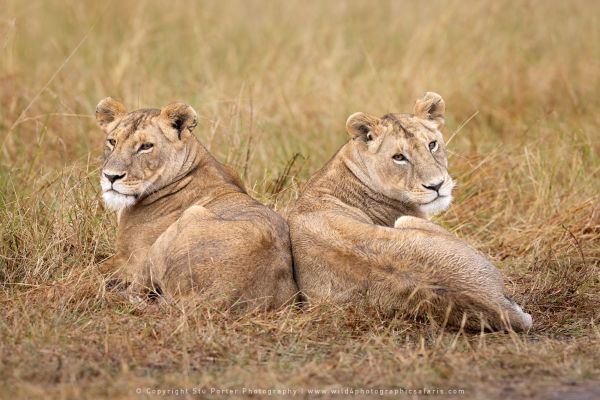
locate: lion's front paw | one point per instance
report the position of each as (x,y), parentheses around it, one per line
(407,222)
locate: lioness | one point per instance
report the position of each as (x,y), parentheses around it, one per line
(358,229)
(186,224)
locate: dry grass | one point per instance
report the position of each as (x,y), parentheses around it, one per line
(272,79)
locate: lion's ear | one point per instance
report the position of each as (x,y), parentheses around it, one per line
(109,111)
(178,119)
(431,107)
(362,126)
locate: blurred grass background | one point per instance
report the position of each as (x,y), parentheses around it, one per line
(273,83)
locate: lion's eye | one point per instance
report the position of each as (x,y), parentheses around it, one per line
(399,158)
(111,142)
(433,146)
(145,146)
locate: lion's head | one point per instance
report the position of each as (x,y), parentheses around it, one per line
(403,156)
(144,151)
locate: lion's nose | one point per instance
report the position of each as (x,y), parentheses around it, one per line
(436,187)
(114,178)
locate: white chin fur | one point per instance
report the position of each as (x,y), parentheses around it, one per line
(436,206)
(117,201)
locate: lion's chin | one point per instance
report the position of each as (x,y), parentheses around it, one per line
(436,206)
(117,201)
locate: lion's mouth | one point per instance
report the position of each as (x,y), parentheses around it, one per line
(438,197)
(115,191)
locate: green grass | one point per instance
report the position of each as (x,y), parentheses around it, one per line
(272,80)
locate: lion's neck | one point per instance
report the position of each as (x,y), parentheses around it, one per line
(202,179)
(343,177)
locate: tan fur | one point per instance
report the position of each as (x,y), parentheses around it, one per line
(186,224)
(358,231)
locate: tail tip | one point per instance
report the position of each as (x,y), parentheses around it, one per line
(526,321)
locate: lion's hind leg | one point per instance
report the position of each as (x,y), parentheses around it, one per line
(148,281)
